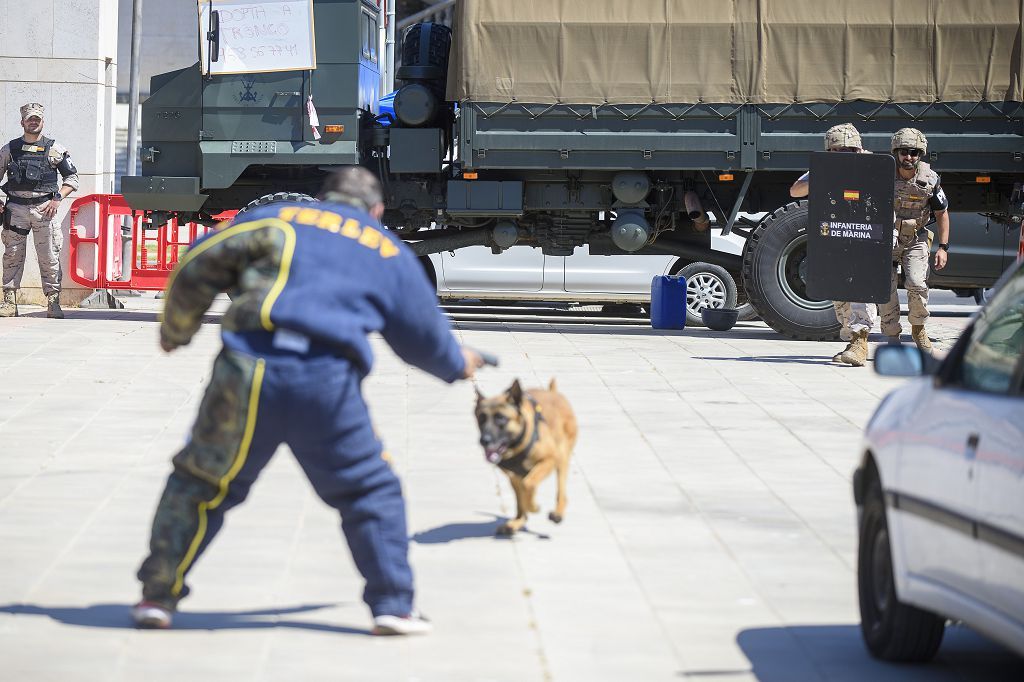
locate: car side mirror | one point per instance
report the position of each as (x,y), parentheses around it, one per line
(897,360)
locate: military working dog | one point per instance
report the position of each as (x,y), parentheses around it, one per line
(527,434)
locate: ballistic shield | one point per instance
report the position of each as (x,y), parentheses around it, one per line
(850,227)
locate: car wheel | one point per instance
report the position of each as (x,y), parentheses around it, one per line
(707,286)
(774,277)
(892,630)
(428,270)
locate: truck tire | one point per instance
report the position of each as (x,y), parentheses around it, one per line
(892,630)
(746,311)
(774,274)
(707,286)
(274,198)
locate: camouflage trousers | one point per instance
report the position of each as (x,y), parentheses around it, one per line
(913,257)
(48,239)
(854,317)
(251,406)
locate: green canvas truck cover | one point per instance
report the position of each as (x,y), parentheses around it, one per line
(736,51)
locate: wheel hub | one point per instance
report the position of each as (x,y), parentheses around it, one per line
(704,290)
(792,275)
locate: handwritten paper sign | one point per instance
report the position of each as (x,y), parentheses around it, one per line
(259,36)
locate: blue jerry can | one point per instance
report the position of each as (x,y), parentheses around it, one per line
(668,302)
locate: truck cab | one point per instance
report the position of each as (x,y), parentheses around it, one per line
(215,141)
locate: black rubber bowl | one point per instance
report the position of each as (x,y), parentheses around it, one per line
(719,319)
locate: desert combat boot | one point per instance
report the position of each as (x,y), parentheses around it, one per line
(858,353)
(53,307)
(838,357)
(920,337)
(9,307)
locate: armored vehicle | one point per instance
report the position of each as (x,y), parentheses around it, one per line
(557,123)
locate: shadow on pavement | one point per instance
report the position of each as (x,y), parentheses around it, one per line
(591,327)
(798,359)
(116,315)
(117,616)
(836,652)
(466,531)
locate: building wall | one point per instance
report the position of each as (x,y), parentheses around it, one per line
(63,55)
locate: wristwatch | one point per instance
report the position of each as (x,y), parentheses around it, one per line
(944,247)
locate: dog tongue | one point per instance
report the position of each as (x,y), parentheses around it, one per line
(494,455)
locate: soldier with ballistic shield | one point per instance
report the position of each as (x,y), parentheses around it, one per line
(856,319)
(32,164)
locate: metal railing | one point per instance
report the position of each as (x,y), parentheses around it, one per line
(441,13)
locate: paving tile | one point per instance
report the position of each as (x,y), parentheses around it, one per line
(710,532)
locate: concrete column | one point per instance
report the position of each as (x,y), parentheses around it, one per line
(62,55)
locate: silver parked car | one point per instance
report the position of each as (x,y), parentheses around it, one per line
(980,253)
(940,491)
(523,273)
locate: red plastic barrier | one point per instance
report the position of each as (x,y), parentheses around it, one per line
(95,245)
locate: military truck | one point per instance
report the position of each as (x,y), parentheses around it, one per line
(556,123)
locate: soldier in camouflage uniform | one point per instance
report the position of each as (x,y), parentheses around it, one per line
(310,283)
(918,196)
(32,164)
(856,319)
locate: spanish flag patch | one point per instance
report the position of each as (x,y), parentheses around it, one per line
(851,195)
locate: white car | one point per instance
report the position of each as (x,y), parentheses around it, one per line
(940,491)
(524,273)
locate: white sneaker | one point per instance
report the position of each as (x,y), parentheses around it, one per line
(413,624)
(150,615)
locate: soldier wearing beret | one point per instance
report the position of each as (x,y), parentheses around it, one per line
(39,175)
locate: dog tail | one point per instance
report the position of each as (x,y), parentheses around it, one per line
(553,386)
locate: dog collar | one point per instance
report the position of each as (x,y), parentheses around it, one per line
(517,464)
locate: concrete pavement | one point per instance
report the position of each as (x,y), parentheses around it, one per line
(710,532)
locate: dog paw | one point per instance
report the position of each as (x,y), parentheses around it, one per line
(505,530)
(556,518)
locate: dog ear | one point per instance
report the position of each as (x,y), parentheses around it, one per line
(479,395)
(515,393)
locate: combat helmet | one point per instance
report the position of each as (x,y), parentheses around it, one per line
(909,138)
(842,135)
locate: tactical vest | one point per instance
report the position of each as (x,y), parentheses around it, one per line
(29,169)
(911,196)
(911,206)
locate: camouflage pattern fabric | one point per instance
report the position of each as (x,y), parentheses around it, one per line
(909,138)
(48,239)
(911,200)
(247,253)
(912,247)
(221,451)
(854,317)
(914,259)
(842,135)
(842,309)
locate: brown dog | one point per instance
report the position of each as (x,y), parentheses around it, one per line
(528,434)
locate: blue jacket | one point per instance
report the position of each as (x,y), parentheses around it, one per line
(327,271)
